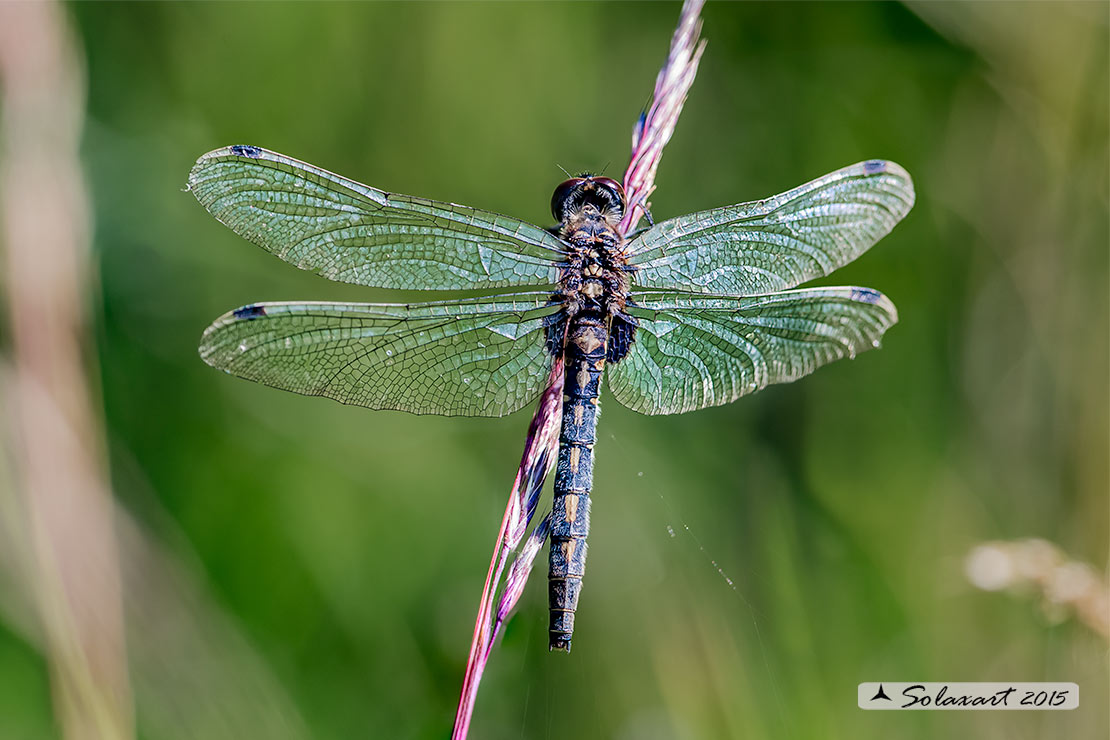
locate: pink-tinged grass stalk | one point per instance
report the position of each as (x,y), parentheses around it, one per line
(652,132)
(654,128)
(540,452)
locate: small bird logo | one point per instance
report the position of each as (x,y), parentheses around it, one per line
(881,694)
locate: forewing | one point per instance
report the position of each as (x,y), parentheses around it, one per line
(699,351)
(776,243)
(353,233)
(479,357)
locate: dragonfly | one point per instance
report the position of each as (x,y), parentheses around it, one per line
(688,313)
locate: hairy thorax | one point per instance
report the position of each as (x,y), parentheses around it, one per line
(594,280)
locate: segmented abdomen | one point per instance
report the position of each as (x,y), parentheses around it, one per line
(585,363)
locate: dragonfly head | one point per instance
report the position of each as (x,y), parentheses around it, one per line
(588,197)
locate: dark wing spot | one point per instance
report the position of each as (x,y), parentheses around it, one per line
(872,166)
(555,331)
(866,295)
(621,335)
(243,150)
(249,312)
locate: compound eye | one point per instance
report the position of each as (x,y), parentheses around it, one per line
(562,195)
(612,186)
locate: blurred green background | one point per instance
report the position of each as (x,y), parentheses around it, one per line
(331,558)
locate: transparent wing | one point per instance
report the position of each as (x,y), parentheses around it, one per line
(478,357)
(699,351)
(353,233)
(777,243)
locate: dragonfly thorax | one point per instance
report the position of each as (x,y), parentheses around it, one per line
(594,276)
(594,284)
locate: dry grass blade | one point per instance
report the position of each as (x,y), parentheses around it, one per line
(654,128)
(540,451)
(57,441)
